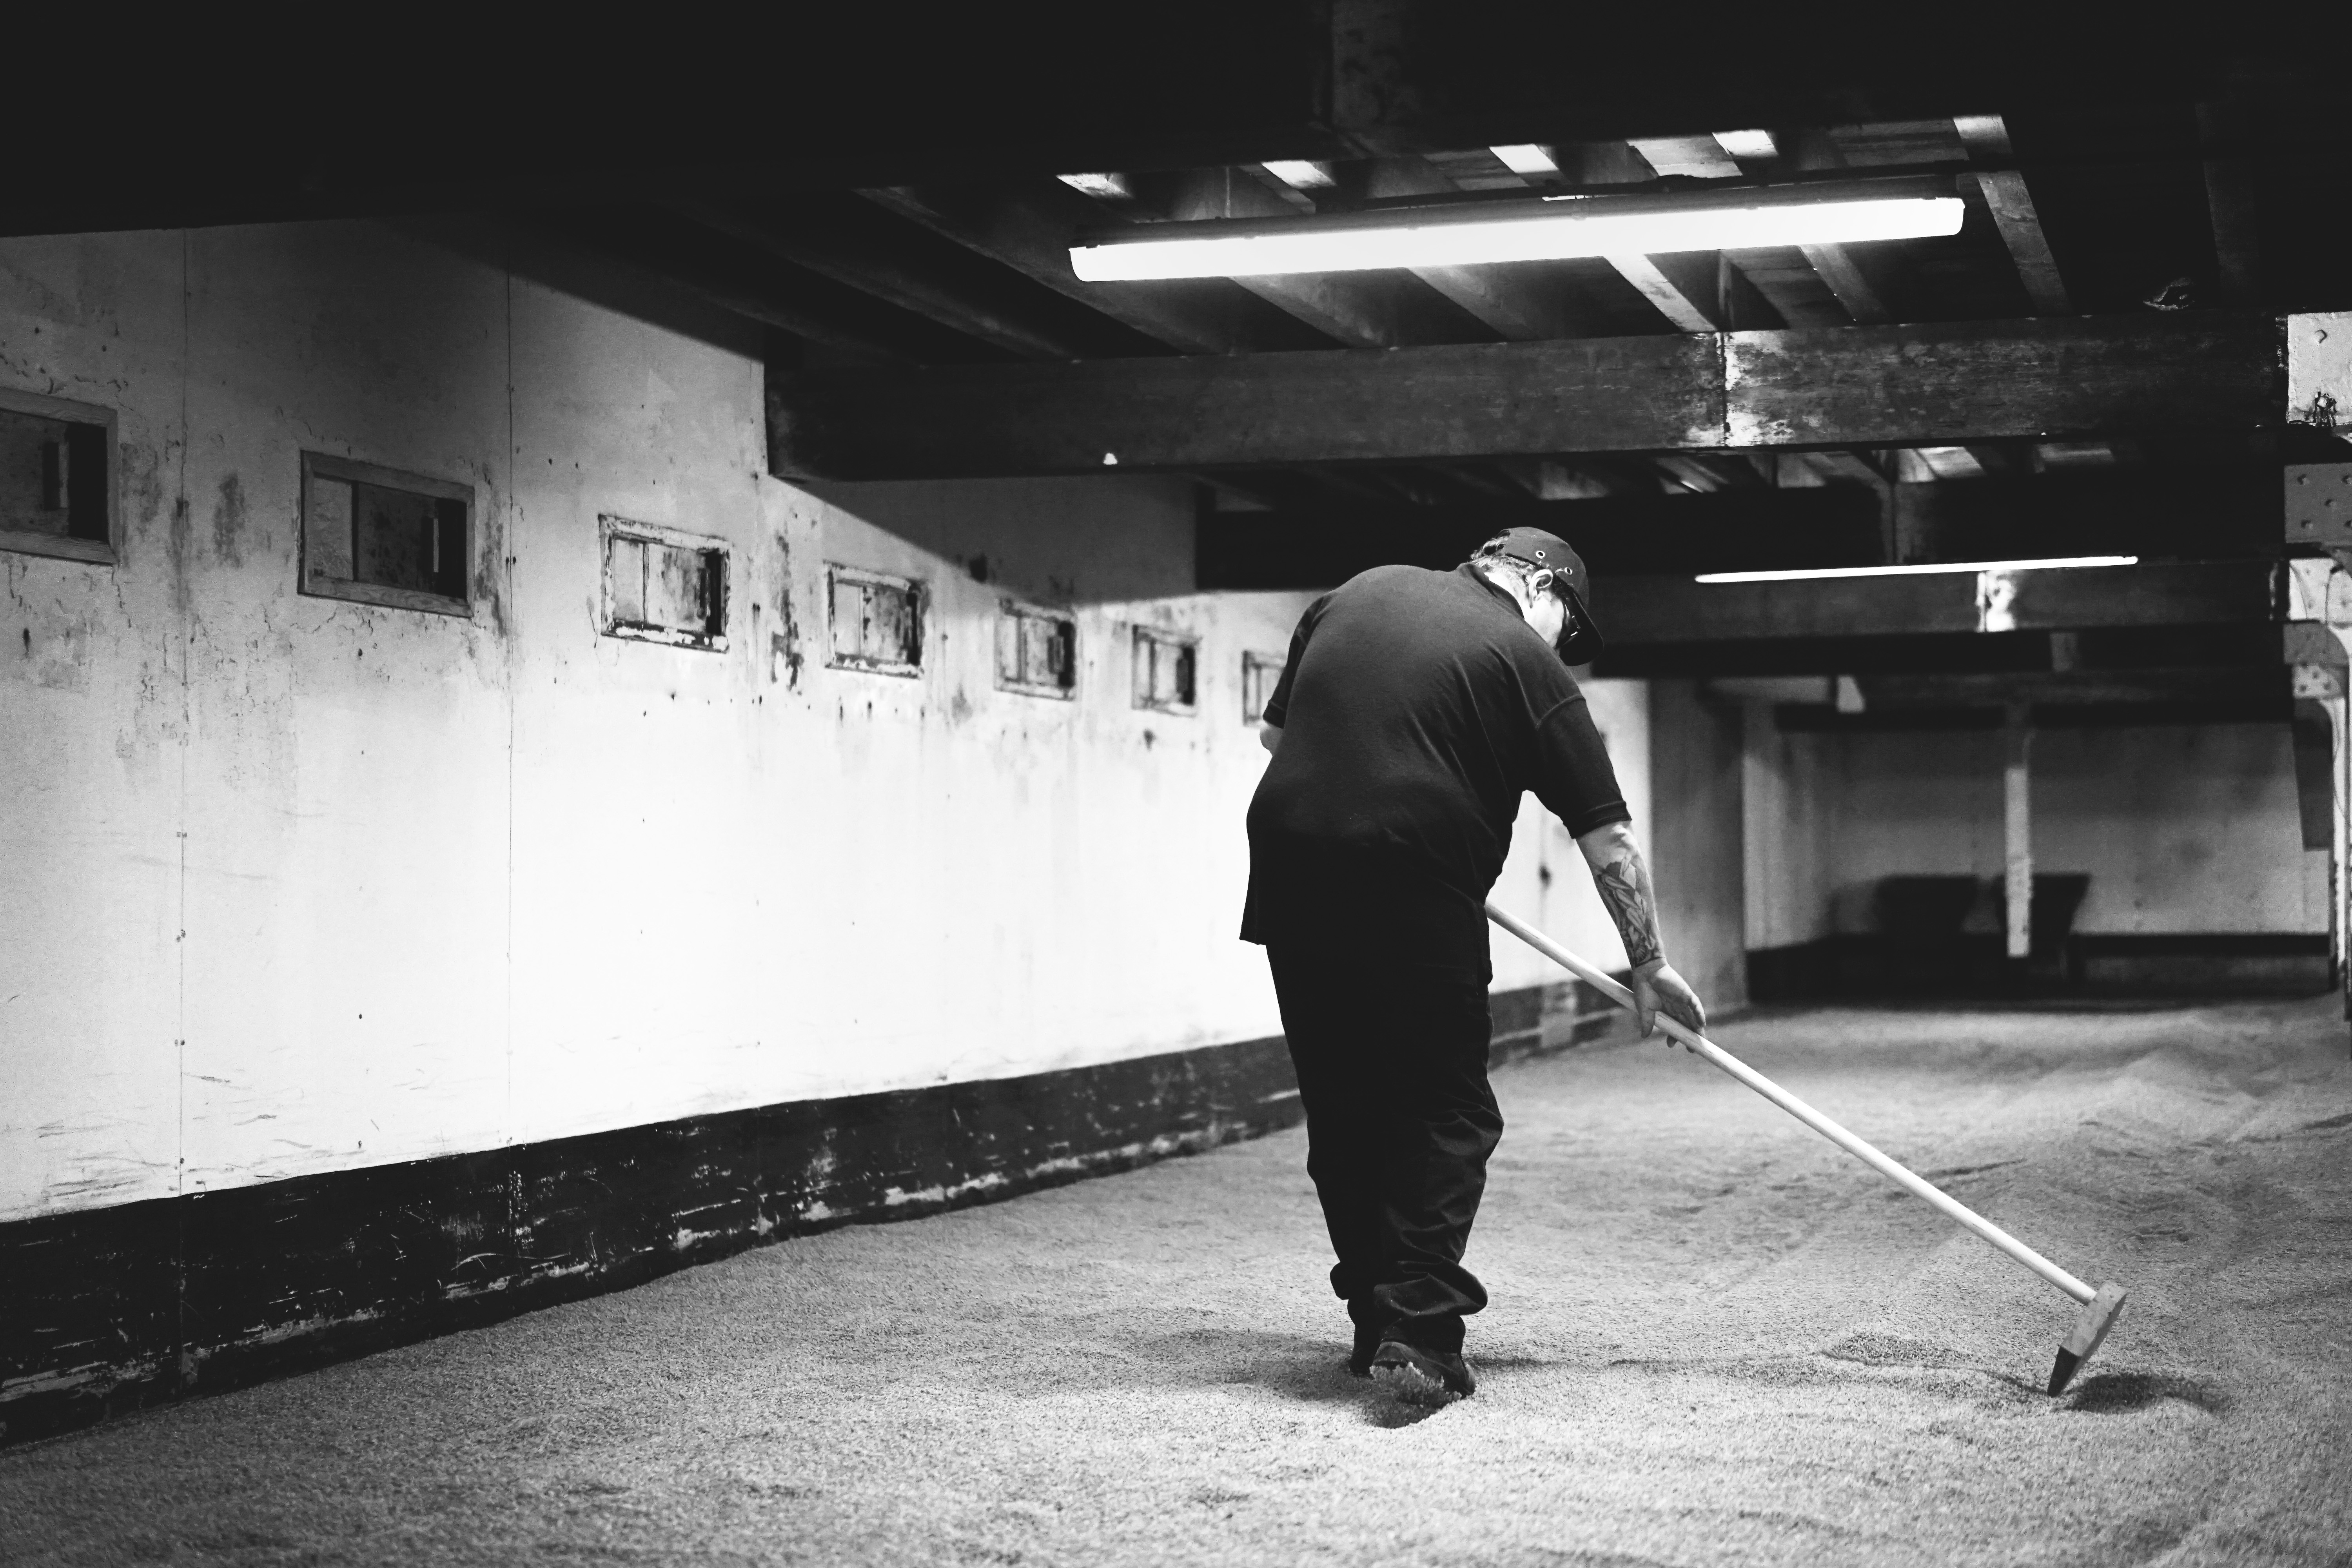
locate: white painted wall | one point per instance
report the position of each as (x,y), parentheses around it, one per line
(1545,880)
(290,884)
(1786,835)
(2182,828)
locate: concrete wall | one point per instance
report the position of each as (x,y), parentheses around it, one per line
(295,884)
(2186,829)
(1698,856)
(291,885)
(1546,881)
(2182,828)
(1787,806)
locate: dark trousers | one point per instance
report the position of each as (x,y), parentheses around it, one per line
(1391,1062)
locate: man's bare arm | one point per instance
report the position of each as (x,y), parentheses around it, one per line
(1623,878)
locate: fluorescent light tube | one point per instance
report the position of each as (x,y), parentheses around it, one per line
(2054,565)
(1470,233)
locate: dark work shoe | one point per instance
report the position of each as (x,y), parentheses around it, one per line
(1368,1343)
(1420,1376)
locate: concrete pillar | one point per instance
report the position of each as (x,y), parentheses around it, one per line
(1697,850)
(2017,833)
(2319,397)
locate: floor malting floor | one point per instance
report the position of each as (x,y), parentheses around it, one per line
(1714,1339)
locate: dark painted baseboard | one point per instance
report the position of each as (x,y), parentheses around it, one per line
(2191,964)
(107,1311)
(2230,963)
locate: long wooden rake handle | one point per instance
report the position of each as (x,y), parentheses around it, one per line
(1892,1168)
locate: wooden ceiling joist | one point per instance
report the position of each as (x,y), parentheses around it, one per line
(992,92)
(1846,280)
(1355,310)
(1648,611)
(1031,229)
(2230,203)
(1986,137)
(1510,303)
(1677,296)
(856,257)
(1812,149)
(1857,386)
(750,283)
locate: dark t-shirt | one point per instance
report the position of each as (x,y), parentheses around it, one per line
(1416,707)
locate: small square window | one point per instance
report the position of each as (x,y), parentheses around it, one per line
(664,587)
(1037,651)
(56,490)
(1165,663)
(877,621)
(381,537)
(1261,673)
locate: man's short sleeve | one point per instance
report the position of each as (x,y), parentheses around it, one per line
(1277,707)
(1574,778)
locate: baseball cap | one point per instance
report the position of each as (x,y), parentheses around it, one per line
(1534,547)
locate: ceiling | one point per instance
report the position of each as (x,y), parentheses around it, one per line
(892,192)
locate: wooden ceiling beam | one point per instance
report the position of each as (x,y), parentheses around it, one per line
(1689,473)
(2222,514)
(1695,291)
(1986,136)
(751,284)
(1855,291)
(1676,296)
(1700,291)
(2230,203)
(1355,310)
(982,92)
(1671,283)
(864,261)
(1864,300)
(1944,382)
(1663,610)
(1510,304)
(1549,479)
(1031,229)
(1317,544)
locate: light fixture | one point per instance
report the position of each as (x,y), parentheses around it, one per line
(2054,565)
(1745,144)
(1469,232)
(1526,158)
(1106,187)
(1300,174)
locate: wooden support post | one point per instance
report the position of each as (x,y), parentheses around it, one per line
(2017,835)
(2339,849)
(2230,187)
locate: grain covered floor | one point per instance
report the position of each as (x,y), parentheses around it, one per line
(1714,1339)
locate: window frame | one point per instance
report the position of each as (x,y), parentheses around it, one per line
(610,526)
(1252,662)
(348,470)
(1010,614)
(917,593)
(59,546)
(1163,636)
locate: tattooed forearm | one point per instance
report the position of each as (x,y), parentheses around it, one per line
(1623,878)
(1621,889)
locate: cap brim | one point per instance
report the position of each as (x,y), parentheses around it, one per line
(1587,643)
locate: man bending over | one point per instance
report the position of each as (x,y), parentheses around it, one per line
(1416,709)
